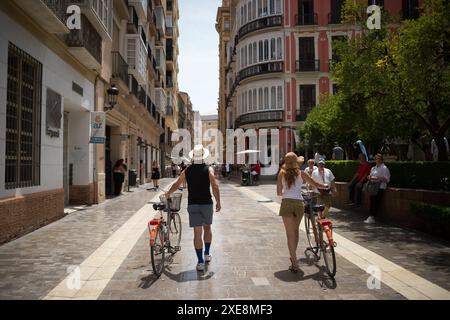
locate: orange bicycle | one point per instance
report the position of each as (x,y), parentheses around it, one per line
(319,232)
(165,234)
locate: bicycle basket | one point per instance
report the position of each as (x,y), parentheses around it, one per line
(175,201)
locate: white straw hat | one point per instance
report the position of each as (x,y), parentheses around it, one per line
(199,153)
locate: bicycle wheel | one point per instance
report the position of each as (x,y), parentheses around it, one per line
(158,252)
(328,253)
(310,234)
(175,231)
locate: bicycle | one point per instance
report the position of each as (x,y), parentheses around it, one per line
(165,234)
(319,232)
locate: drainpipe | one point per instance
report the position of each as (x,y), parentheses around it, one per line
(94,169)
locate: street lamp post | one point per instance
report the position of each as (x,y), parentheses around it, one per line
(113,95)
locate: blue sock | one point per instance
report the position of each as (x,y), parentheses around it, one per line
(200,255)
(207,246)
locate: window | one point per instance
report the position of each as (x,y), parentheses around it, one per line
(279,49)
(278,6)
(272,49)
(377,2)
(245,56)
(226,25)
(273,98)
(23,117)
(261,98)
(335,88)
(245,14)
(280,97)
(261,51)
(250,101)
(255,53)
(266,98)
(272,6)
(254,100)
(250,54)
(264,8)
(307,98)
(249,11)
(266,50)
(242,16)
(253,9)
(260,6)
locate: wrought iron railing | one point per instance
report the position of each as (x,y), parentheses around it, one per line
(306,19)
(142,95)
(264,116)
(133,85)
(59,8)
(87,37)
(307,65)
(120,67)
(262,23)
(262,68)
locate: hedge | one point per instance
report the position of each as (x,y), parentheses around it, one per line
(404,174)
(436,218)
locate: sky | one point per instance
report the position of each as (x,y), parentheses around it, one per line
(199,53)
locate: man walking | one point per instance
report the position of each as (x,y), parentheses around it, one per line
(200,178)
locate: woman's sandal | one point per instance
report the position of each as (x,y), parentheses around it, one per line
(294,267)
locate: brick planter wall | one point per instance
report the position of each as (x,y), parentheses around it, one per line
(23,214)
(395,204)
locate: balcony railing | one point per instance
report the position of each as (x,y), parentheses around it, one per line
(169,31)
(133,85)
(307,65)
(263,68)
(59,8)
(306,19)
(257,117)
(87,37)
(334,18)
(266,22)
(142,95)
(302,114)
(120,67)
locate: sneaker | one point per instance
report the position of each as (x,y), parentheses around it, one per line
(208,258)
(370,219)
(200,267)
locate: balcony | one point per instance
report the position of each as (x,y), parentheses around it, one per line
(307,65)
(120,67)
(137,57)
(141,8)
(160,20)
(133,23)
(169,111)
(99,16)
(86,44)
(160,100)
(263,68)
(306,19)
(169,32)
(302,114)
(142,95)
(258,117)
(133,85)
(262,23)
(334,18)
(49,14)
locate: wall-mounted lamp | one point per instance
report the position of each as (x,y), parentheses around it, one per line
(113,95)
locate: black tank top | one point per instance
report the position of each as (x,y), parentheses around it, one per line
(197,177)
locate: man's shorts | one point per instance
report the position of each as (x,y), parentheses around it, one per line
(292,207)
(200,214)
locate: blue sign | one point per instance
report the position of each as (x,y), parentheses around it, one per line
(98,140)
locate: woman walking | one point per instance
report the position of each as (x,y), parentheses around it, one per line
(156,175)
(118,176)
(289,183)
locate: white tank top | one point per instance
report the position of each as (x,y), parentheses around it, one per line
(294,192)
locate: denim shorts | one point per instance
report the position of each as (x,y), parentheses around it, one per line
(200,214)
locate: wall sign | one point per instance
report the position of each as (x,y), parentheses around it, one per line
(53,113)
(98,125)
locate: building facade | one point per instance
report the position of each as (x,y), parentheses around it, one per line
(53,79)
(278,60)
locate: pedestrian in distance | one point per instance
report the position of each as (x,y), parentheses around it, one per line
(118,176)
(200,178)
(379,178)
(289,183)
(338,152)
(156,174)
(359,179)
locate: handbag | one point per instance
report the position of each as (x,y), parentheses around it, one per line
(372,187)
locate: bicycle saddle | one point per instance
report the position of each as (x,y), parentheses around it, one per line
(159,206)
(318,208)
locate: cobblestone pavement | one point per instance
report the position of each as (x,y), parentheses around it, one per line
(34,264)
(250,256)
(426,256)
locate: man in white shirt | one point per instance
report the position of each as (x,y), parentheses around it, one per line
(435,150)
(379,174)
(326,177)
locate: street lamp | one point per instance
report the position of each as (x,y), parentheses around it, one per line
(113,95)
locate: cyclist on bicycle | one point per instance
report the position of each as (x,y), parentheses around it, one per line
(289,183)
(200,177)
